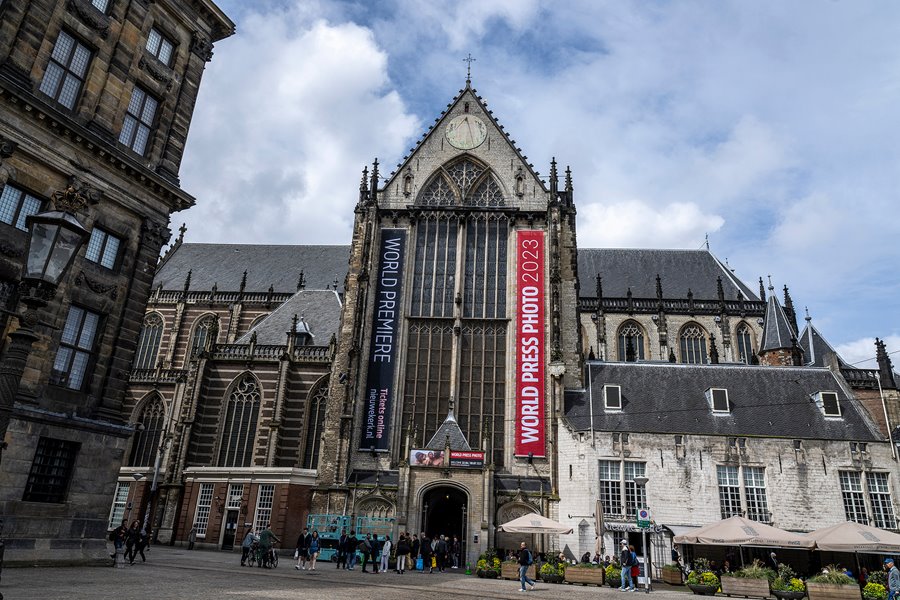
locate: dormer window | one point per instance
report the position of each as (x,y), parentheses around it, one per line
(828,403)
(612,397)
(718,400)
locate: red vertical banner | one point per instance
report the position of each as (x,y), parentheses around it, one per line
(530,344)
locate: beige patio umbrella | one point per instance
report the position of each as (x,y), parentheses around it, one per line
(855,537)
(738,531)
(534,523)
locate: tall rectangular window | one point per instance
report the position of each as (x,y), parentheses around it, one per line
(880,497)
(235,495)
(103,248)
(160,46)
(66,70)
(204,504)
(610,487)
(852,493)
(729,491)
(755,493)
(635,495)
(265,499)
(51,471)
(139,118)
(120,501)
(485,282)
(76,348)
(16,205)
(434,268)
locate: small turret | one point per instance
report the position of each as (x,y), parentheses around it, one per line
(778,346)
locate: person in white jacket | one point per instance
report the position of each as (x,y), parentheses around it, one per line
(385,553)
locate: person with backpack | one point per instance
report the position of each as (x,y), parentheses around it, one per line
(627,559)
(365,547)
(402,551)
(425,552)
(526,559)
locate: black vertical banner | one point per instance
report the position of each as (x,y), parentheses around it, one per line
(380,391)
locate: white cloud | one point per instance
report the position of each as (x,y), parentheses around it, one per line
(861,352)
(635,224)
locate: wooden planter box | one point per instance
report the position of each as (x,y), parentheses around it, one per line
(510,570)
(584,575)
(832,591)
(749,588)
(672,577)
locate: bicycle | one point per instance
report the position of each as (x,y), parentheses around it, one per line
(266,559)
(253,554)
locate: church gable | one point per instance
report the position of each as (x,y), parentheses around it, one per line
(465,159)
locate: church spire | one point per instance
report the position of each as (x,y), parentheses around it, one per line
(373,194)
(789,309)
(469,60)
(554,181)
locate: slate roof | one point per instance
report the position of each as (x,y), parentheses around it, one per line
(671,398)
(449,429)
(278,266)
(321,309)
(777,330)
(816,349)
(679,270)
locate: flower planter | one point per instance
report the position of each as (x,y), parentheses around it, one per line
(584,575)
(489,574)
(832,591)
(510,570)
(749,588)
(552,578)
(672,576)
(703,590)
(788,595)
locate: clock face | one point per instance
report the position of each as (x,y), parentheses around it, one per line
(466,132)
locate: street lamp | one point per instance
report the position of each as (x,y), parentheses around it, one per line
(641,482)
(54,238)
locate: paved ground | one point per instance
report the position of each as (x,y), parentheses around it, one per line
(174,573)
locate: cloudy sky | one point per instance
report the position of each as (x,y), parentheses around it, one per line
(771,127)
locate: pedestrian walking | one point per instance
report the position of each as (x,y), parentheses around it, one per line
(118,536)
(314,549)
(376,548)
(526,559)
(386,553)
(246,544)
(352,545)
(893,579)
(440,553)
(302,551)
(192,537)
(425,553)
(365,547)
(403,550)
(266,540)
(342,550)
(626,563)
(132,542)
(414,551)
(455,549)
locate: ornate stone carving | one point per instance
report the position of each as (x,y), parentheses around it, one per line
(77,195)
(155,233)
(201,46)
(92,17)
(156,72)
(7,147)
(96,286)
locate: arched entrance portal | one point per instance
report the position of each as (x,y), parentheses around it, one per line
(444,512)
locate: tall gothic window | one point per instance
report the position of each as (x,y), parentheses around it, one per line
(315,421)
(150,431)
(434,269)
(462,182)
(426,394)
(438,193)
(744,343)
(148,342)
(203,331)
(693,345)
(485,275)
(482,387)
(241,415)
(631,342)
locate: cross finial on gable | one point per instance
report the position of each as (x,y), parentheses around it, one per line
(469,60)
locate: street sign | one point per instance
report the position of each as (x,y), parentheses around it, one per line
(643,518)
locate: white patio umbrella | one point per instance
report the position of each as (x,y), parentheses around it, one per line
(534,523)
(855,537)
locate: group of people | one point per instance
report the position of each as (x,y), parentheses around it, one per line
(260,543)
(134,540)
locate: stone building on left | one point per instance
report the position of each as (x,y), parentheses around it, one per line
(96,98)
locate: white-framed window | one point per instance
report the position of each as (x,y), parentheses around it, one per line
(619,494)
(139,119)
(17,205)
(729,490)
(635,495)
(612,397)
(204,504)
(755,493)
(160,46)
(751,500)
(235,495)
(76,348)
(828,403)
(611,486)
(880,497)
(265,499)
(66,70)
(103,248)
(718,400)
(120,501)
(852,494)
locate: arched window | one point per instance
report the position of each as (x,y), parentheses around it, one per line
(744,337)
(464,173)
(241,415)
(148,342)
(204,330)
(693,345)
(631,342)
(438,193)
(315,420)
(151,422)
(462,182)
(487,194)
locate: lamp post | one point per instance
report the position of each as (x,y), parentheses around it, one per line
(641,482)
(54,238)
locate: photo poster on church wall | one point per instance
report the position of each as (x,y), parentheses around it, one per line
(530,343)
(464,459)
(383,351)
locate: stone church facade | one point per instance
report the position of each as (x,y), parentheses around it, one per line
(433,375)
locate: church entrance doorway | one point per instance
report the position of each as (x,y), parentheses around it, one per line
(445,512)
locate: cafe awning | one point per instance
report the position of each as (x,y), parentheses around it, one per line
(739,531)
(855,537)
(534,523)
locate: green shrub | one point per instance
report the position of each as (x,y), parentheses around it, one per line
(553,567)
(785,572)
(709,578)
(788,585)
(757,570)
(834,575)
(488,561)
(613,573)
(874,591)
(878,577)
